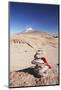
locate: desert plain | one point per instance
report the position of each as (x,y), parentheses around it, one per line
(23,47)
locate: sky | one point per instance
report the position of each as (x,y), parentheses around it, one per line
(42,17)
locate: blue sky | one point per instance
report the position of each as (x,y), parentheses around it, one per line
(38,16)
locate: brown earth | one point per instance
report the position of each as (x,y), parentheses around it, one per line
(27,77)
(22,49)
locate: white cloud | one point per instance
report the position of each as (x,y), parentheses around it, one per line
(29,29)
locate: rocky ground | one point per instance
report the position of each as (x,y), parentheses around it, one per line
(27,77)
(22,50)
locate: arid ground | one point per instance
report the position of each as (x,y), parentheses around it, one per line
(23,46)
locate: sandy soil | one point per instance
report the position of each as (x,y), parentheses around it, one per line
(27,77)
(24,46)
(22,50)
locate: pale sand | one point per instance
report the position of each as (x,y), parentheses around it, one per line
(21,53)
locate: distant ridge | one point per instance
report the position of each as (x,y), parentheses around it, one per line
(32,31)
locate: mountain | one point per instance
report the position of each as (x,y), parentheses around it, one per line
(35,32)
